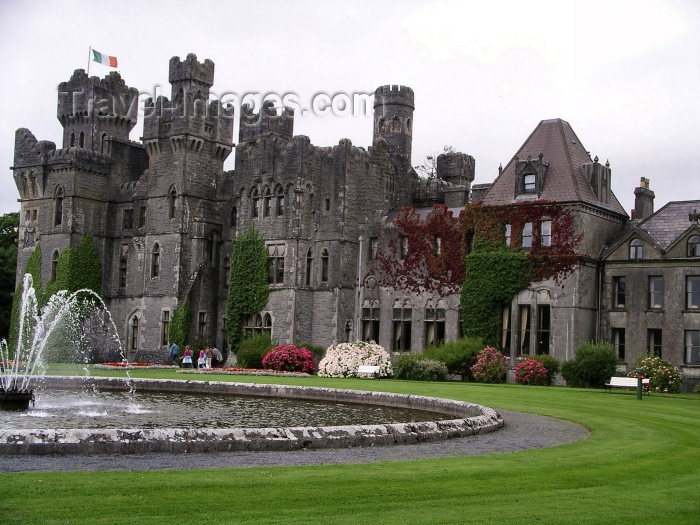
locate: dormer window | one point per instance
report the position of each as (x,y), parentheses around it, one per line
(636,250)
(529,183)
(694,246)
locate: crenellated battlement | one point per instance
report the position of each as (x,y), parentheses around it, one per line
(394,94)
(191,70)
(266,121)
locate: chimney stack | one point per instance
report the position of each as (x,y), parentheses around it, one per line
(643,200)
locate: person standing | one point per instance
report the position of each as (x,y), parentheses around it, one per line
(187,358)
(209,355)
(202,361)
(173,353)
(218,358)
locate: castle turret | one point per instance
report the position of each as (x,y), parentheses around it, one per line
(266,122)
(91,110)
(190,81)
(393,119)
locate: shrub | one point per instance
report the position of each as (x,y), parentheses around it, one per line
(289,358)
(344,359)
(416,367)
(490,366)
(550,363)
(459,356)
(593,364)
(663,376)
(252,350)
(696,390)
(531,372)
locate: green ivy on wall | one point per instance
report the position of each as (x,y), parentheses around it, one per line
(248,283)
(179,327)
(492,280)
(77,269)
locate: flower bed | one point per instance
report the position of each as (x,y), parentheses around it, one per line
(241,371)
(126,365)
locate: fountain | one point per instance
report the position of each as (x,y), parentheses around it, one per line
(76,325)
(69,323)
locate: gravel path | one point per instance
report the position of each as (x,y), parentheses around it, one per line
(521,432)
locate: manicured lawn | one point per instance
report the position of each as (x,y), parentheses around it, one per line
(641,464)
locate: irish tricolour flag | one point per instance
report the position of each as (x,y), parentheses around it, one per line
(104,59)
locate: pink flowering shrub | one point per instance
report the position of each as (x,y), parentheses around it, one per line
(531,372)
(490,366)
(289,358)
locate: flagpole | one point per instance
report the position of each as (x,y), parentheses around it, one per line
(89,57)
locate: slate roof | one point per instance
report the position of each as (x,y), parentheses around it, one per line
(564,181)
(670,222)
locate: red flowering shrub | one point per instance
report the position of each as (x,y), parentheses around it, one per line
(490,366)
(289,358)
(531,372)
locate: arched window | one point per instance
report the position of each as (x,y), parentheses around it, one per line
(636,249)
(234,217)
(227,271)
(324,266)
(134,335)
(279,204)
(58,206)
(267,202)
(434,323)
(309,266)
(267,324)
(82,139)
(54,264)
(72,140)
(370,321)
(103,143)
(172,201)
(254,198)
(155,261)
(694,246)
(401,315)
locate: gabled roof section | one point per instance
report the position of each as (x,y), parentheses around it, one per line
(565,180)
(670,222)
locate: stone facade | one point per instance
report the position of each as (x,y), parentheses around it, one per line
(163,214)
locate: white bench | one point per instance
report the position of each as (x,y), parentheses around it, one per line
(372,370)
(626,382)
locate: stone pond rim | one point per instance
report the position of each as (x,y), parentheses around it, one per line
(469,419)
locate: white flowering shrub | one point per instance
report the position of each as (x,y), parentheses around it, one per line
(344,359)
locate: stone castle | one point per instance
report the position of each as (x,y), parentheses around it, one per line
(163,214)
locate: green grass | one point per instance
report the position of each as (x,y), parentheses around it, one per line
(641,464)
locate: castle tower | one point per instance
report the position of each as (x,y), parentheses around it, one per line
(393,119)
(91,110)
(190,81)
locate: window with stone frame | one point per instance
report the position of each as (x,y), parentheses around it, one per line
(544,319)
(324,265)
(142,216)
(164,325)
(619,291)
(524,329)
(508,234)
(276,254)
(202,325)
(546,232)
(654,341)
(373,247)
(309,267)
(694,246)
(530,183)
(527,235)
(134,333)
(54,264)
(656,292)
(172,203)
(435,324)
(692,291)
(403,247)
(155,261)
(58,207)
(370,321)
(267,203)
(279,201)
(122,272)
(257,324)
(254,198)
(692,347)
(402,315)
(505,329)
(128,219)
(636,249)
(618,341)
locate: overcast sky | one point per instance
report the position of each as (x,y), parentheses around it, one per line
(624,74)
